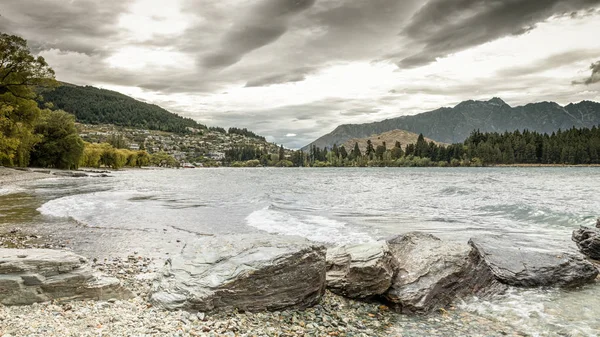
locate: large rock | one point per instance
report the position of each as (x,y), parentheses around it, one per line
(360,271)
(588,241)
(38,275)
(247,272)
(432,273)
(532,266)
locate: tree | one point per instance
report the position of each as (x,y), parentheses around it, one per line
(355,153)
(370,150)
(60,146)
(281,153)
(380,150)
(397,151)
(20,73)
(343,152)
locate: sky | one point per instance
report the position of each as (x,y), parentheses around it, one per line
(293,70)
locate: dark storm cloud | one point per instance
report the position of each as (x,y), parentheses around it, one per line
(442,27)
(78,26)
(264,24)
(594,78)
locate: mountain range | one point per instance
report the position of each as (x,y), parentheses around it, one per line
(454,125)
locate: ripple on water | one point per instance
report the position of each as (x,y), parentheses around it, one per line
(313,227)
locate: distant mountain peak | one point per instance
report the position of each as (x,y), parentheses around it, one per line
(497,101)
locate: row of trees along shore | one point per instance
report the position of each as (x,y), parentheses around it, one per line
(42,137)
(569,147)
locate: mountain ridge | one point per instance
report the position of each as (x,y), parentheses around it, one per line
(454,125)
(102,106)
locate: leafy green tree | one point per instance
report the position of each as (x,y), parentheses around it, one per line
(380,151)
(20,73)
(60,147)
(397,151)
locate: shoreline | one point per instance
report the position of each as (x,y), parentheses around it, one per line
(10,176)
(333,316)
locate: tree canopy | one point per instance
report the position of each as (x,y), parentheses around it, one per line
(28,134)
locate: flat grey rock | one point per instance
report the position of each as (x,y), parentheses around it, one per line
(432,273)
(532,266)
(248,272)
(38,275)
(588,241)
(361,270)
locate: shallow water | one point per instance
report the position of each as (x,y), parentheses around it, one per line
(541,205)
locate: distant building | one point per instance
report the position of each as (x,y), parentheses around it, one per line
(216,155)
(134,147)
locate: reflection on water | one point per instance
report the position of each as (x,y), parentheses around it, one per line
(157,208)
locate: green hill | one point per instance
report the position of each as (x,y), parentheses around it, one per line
(92,105)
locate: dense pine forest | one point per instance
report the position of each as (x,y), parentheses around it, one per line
(92,105)
(570,147)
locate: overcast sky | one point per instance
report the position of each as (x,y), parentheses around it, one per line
(293,70)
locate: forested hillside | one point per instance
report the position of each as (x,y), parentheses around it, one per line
(99,106)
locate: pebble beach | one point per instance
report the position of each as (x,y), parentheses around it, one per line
(334,316)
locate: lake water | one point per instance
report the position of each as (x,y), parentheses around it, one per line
(156,211)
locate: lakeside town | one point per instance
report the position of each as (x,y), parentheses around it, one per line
(198,148)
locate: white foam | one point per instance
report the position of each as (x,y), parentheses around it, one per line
(10,189)
(97,209)
(313,227)
(538,312)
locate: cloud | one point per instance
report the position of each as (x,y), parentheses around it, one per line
(594,78)
(295,75)
(442,27)
(550,62)
(264,24)
(77,26)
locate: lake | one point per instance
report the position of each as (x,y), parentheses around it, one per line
(157,211)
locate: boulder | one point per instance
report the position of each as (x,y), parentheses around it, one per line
(532,266)
(588,241)
(38,275)
(432,273)
(361,270)
(249,272)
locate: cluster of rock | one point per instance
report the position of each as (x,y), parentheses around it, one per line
(415,272)
(38,275)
